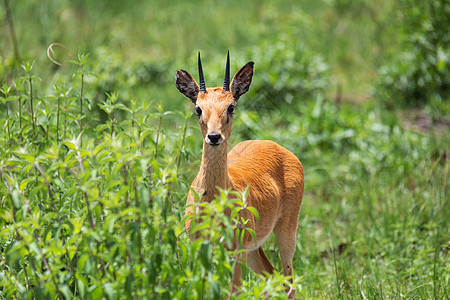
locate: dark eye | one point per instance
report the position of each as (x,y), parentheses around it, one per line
(198,111)
(230,109)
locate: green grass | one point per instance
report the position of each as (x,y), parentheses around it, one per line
(96,210)
(374,217)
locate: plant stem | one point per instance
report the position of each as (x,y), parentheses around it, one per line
(7,123)
(57,119)
(138,204)
(157,135)
(48,128)
(241,227)
(88,204)
(81,99)
(203,287)
(20,116)
(11,30)
(65,117)
(125,182)
(112,122)
(50,193)
(135,188)
(10,193)
(182,145)
(31,104)
(436,284)
(81,106)
(150,198)
(335,269)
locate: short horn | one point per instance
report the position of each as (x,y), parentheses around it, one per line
(200,74)
(226,81)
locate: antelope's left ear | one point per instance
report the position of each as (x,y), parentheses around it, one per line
(241,81)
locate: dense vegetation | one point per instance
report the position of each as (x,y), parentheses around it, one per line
(97,151)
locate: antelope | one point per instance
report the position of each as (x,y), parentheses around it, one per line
(274,174)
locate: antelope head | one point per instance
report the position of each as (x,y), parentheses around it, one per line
(215,106)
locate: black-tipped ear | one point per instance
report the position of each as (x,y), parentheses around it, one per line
(241,80)
(187,85)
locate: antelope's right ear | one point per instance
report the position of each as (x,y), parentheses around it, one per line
(187,85)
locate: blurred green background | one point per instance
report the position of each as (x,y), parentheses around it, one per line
(358,90)
(357,44)
(352,38)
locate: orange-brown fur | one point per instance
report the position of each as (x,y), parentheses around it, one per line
(275,176)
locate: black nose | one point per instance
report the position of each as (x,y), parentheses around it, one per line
(214,138)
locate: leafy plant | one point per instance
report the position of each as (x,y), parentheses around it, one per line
(420,73)
(287,70)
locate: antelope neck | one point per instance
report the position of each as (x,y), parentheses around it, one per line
(213,170)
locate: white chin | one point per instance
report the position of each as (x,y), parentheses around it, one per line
(214,145)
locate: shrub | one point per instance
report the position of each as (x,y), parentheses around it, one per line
(420,73)
(286,70)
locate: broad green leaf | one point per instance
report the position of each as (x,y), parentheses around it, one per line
(69,145)
(205,254)
(252,232)
(28,157)
(16,198)
(77,224)
(109,290)
(82,283)
(65,290)
(254,212)
(24,183)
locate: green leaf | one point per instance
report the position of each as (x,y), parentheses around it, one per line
(82,261)
(77,224)
(110,221)
(69,145)
(82,283)
(254,212)
(253,234)
(65,290)
(24,183)
(28,157)
(109,290)
(131,211)
(16,198)
(205,254)
(35,248)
